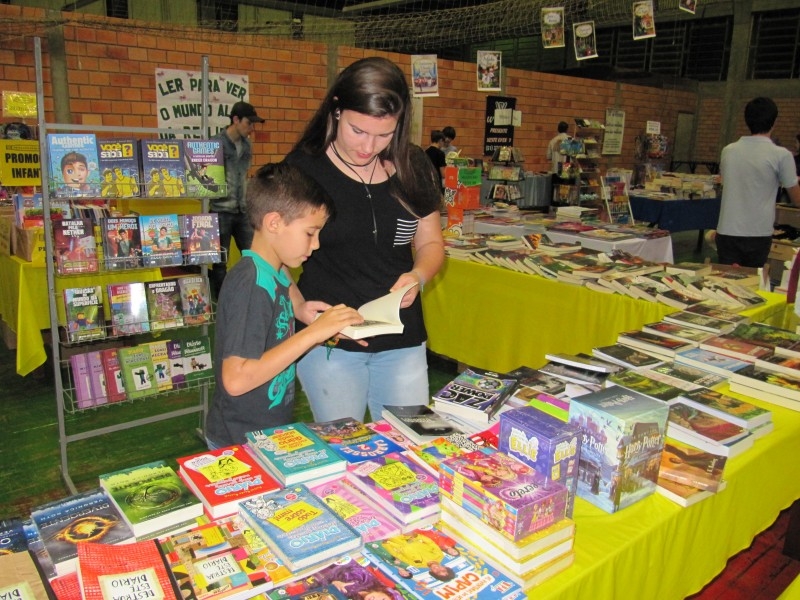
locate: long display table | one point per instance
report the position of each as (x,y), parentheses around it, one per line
(498,319)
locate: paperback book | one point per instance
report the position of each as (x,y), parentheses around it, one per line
(685,495)
(686,464)
(22,579)
(381,316)
(136,366)
(677,332)
(164,306)
(655,344)
(627,357)
(119,168)
(294,454)
(73,165)
(197,363)
(129,312)
(176,363)
(81,380)
(726,407)
(638,381)
(115,386)
(769,386)
(162,370)
(97,377)
(161,241)
(353,440)
(74,246)
(151,497)
(475,394)
(299,527)
(533,382)
(782,341)
(418,422)
(574,374)
(163,168)
(204,168)
(785,365)
(200,238)
(622,439)
(434,451)
(710,361)
(705,321)
(698,428)
(221,478)
(84,313)
(122,243)
(691,376)
(737,348)
(195,299)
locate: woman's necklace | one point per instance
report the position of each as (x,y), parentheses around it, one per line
(365,184)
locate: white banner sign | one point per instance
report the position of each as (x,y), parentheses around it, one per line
(179,98)
(615,128)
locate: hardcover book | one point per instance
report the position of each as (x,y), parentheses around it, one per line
(200,238)
(97,377)
(627,357)
(204,165)
(195,299)
(115,386)
(84,313)
(163,168)
(475,394)
(161,240)
(694,426)
(73,165)
(731,409)
(85,517)
(22,579)
(136,365)
(355,508)
(299,527)
(294,454)
(128,304)
(162,371)
(151,497)
(197,364)
(352,440)
(686,464)
(506,494)
(400,486)
(622,439)
(74,246)
(544,442)
(119,168)
(122,243)
(81,380)
(221,478)
(130,571)
(164,306)
(418,422)
(430,564)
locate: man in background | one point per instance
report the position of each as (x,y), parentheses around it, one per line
(752,169)
(436,155)
(449,137)
(554,147)
(233,221)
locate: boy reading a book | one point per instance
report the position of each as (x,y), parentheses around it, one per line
(256,346)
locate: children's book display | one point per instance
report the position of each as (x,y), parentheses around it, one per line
(119,168)
(164,305)
(475,394)
(353,440)
(195,299)
(128,304)
(136,366)
(163,168)
(122,242)
(204,168)
(161,241)
(73,165)
(200,238)
(418,422)
(84,313)
(74,246)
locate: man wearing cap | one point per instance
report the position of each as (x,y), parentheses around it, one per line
(231,208)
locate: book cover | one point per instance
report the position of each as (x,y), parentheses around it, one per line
(122,243)
(639,382)
(544,442)
(418,422)
(67,587)
(97,377)
(355,508)
(195,299)
(732,409)
(475,394)
(736,347)
(134,570)
(22,579)
(399,485)
(299,527)
(294,454)
(38,549)
(81,380)
(582,361)
(689,424)
(677,332)
(786,365)
(128,306)
(222,559)
(433,452)
(161,240)
(574,374)
(197,365)
(119,168)
(164,306)
(73,165)
(162,370)
(627,356)
(29,212)
(430,564)
(115,386)
(347,578)
(381,316)
(717,313)
(353,440)
(532,382)
(85,517)
(782,341)
(12,536)
(200,238)
(74,246)
(176,364)
(689,465)
(163,169)
(221,478)
(702,321)
(622,438)
(136,366)
(710,361)
(150,497)
(508,495)
(204,168)
(693,378)
(766,385)
(386,429)
(649,342)
(84,313)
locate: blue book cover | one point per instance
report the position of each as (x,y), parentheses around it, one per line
(205,168)
(161,240)
(119,166)
(294,453)
(36,547)
(622,437)
(73,167)
(200,238)
(353,440)
(163,169)
(12,536)
(299,527)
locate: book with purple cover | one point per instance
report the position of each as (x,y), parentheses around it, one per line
(81,380)
(97,377)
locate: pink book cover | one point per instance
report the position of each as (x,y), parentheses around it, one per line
(81,380)
(355,508)
(386,429)
(97,377)
(115,387)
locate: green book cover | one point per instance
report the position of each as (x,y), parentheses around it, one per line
(151,496)
(162,372)
(136,365)
(197,359)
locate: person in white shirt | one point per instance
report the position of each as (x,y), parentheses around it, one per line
(553,148)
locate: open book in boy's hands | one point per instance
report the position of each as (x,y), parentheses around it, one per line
(381,316)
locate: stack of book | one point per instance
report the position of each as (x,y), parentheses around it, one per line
(420,423)
(688,474)
(475,395)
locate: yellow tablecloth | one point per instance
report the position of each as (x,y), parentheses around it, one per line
(498,319)
(24,302)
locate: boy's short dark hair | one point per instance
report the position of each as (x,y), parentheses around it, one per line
(760,115)
(286,190)
(449,132)
(436,136)
(562,126)
(70,158)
